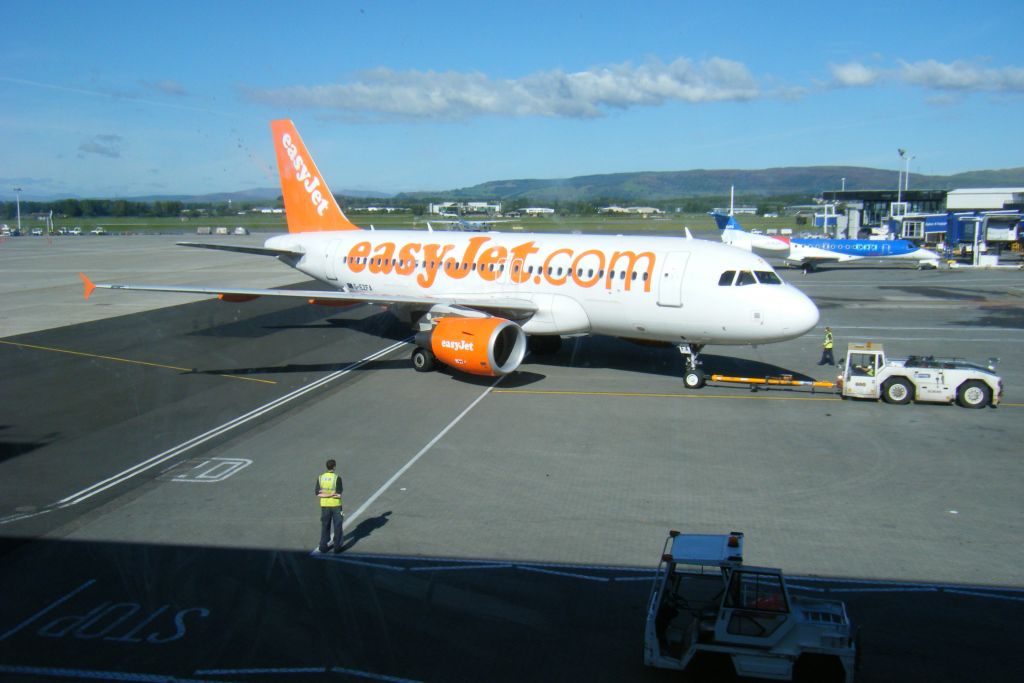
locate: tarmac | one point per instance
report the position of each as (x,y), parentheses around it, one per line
(158,455)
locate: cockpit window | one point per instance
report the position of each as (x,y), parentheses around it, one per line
(767,277)
(726,279)
(745,278)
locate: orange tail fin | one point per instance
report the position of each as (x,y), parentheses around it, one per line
(308,203)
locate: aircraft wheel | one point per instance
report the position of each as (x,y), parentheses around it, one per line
(694,379)
(897,391)
(974,394)
(422,359)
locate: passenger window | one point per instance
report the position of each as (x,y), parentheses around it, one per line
(767,277)
(727,278)
(745,278)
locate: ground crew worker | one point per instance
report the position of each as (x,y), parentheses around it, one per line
(826,348)
(328,490)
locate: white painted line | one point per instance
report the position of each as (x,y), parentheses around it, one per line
(539,570)
(423,451)
(46,609)
(186,446)
(984,595)
(372,676)
(267,670)
(94,674)
(333,557)
(460,567)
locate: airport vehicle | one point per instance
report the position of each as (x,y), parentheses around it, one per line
(37,231)
(867,373)
(75,231)
(474,298)
(98,230)
(809,252)
(710,612)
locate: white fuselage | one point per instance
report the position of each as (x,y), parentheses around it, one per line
(651,288)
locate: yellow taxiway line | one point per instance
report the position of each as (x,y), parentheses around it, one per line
(124,360)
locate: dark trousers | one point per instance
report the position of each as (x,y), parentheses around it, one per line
(330,516)
(826,357)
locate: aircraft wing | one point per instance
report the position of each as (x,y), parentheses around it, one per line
(814,260)
(519,307)
(260,251)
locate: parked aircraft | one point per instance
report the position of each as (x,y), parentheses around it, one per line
(478,301)
(808,252)
(473,226)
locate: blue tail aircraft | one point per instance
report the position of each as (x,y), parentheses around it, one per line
(809,252)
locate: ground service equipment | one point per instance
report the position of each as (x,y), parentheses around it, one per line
(867,373)
(708,613)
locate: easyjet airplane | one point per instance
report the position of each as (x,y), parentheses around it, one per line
(478,301)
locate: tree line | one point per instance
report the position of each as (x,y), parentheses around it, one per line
(116,208)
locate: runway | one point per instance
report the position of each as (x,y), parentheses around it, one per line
(160,465)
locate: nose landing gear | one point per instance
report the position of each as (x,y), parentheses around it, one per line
(693,377)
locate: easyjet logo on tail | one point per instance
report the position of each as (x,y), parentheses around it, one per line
(309,182)
(307,200)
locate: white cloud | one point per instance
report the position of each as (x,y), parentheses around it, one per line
(962,76)
(102,145)
(957,76)
(853,75)
(167,87)
(582,94)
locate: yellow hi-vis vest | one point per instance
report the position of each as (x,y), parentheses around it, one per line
(828,340)
(329,484)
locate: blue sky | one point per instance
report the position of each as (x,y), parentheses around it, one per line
(137,98)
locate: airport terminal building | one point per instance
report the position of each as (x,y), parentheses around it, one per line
(952,219)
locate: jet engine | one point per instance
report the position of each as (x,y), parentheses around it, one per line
(479,346)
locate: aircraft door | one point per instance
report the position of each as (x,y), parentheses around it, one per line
(670,287)
(331,255)
(755,610)
(861,376)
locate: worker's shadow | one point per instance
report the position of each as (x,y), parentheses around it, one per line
(365,528)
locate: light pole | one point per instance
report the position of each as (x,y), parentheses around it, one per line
(899,181)
(17,196)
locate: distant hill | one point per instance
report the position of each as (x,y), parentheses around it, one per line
(809,181)
(259,194)
(652,186)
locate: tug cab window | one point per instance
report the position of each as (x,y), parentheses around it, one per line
(727,278)
(862,364)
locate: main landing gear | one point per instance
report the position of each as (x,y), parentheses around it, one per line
(693,377)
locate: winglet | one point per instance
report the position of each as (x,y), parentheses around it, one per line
(89,286)
(308,203)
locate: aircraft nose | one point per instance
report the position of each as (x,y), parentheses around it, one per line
(801,314)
